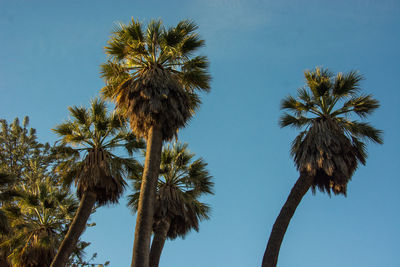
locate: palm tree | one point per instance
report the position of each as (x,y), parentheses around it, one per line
(181,183)
(332,143)
(153,79)
(38,223)
(99,176)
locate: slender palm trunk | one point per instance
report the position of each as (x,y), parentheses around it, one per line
(282,221)
(144,220)
(75,230)
(160,235)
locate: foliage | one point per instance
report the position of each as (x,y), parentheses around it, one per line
(332,142)
(44,211)
(182,181)
(86,151)
(152,76)
(20,152)
(35,210)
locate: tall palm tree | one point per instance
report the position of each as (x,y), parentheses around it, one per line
(182,181)
(93,133)
(38,223)
(153,79)
(332,143)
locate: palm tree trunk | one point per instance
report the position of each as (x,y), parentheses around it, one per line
(160,235)
(75,230)
(144,219)
(282,222)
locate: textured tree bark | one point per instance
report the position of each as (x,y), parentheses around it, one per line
(144,219)
(160,235)
(281,224)
(75,230)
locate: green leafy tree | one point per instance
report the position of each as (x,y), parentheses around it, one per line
(153,78)
(89,139)
(7,194)
(39,221)
(331,144)
(18,147)
(29,192)
(20,157)
(182,181)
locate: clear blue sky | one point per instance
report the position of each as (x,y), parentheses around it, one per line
(50,52)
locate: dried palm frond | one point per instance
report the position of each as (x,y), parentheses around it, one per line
(327,155)
(155,97)
(96,176)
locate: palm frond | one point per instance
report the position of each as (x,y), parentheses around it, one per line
(64,129)
(186,27)
(348,84)
(191,44)
(80,115)
(295,122)
(113,70)
(319,81)
(362,105)
(364,131)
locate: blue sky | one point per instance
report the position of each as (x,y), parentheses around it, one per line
(50,52)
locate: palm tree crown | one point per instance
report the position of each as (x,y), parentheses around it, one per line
(177,209)
(332,142)
(181,183)
(99,176)
(152,75)
(96,133)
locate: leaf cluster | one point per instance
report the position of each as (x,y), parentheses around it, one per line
(182,181)
(332,142)
(152,74)
(35,209)
(87,155)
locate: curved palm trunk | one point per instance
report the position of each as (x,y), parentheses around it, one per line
(144,220)
(282,221)
(160,235)
(75,230)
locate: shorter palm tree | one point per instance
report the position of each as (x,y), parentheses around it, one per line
(178,210)
(98,173)
(331,145)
